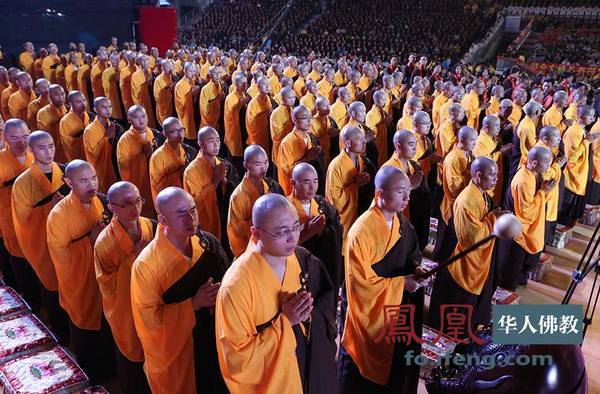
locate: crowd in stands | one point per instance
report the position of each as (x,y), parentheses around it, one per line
(569,41)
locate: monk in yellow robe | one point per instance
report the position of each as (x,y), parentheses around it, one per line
(341,75)
(185,91)
(579,99)
(525,136)
(471,279)
(325,85)
(519,99)
(527,198)
(134,149)
(280,122)
(26,58)
(84,78)
(8,91)
(325,129)
(110,85)
(35,192)
(381,259)
(456,97)
(43,99)
(18,101)
(15,159)
(317,69)
(263,311)
(115,250)
(72,228)
(413,104)
(99,144)
(164,85)
(339,109)
(37,64)
(275,79)
(72,126)
(125,80)
(353,89)
(71,73)
(253,185)
(257,116)
(378,120)
(50,63)
(300,82)
(554,115)
(141,82)
(235,120)
(211,98)
(473,105)
(438,102)
(179,358)
(96,74)
(48,118)
(495,99)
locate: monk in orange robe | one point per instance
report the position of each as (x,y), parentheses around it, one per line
(378,120)
(125,80)
(211,98)
(115,250)
(84,78)
(525,136)
(554,115)
(141,83)
(310,97)
(71,73)
(26,58)
(339,109)
(35,192)
(257,116)
(50,63)
(413,104)
(43,99)
(72,228)
(97,71)
(473,105)
(163,91)
(185,91)
(72,126)
(174,283)
(19,100)
(235,120)
(8,91)
(438,102)
(496,98)
(381,259)
(110,85)
(48,119)
(280,123)
(324,127)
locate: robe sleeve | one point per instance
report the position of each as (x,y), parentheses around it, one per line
(453,178)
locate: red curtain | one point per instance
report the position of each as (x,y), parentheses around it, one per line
(158,27)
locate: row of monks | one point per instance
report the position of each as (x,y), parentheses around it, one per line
(218,267)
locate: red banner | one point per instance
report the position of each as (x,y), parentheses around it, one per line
(158,27)
(589,71)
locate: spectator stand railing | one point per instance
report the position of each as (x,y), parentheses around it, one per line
(479,49)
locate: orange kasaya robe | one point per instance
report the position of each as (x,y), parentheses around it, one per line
(71,128)
(375,120)
(32,110)
(184,105)
(125,86)
(96,79)
(98,151)
(48,119)
(233,126)
(166,168)
(110,85)
(257,121)
(281,125)
(140,94)
(163,95)
(456,178)
(488,146)
(321,127)
(292,149)
(18,102)
(577,153)
(530,207)
(210,105)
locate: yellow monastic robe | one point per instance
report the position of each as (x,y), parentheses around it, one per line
(554,117)
(32,110)
(494,106)
(184,105)
(456,178)
(554,172)
(281,125)
(71,78)
(516,115)
(71,250)
(527,134)
(293,148)
(339,113)
(210,105)
(125,86)
(274,85)
(96,79)
(140,94)
(314,75)
(571,112)
(257,121)
(325,89)
(299,87)
(165,330)
(29,219)
(71,128)
(444,114)
(26,62)
(163,95)
(231,117)
(83,81)
(48,119)
(376,122)
(309,100)
(320,127)
(98,152)
(166,168)
(290,72)
(110,86)
(577,153)
(18,102)
(6,93)
(530,205)
(37,69)
(47,67)
(445,138)
(488,146)
(250,295)
(113,260)
(471,104)
(369,240)
(10,169)
(438,102)
(405,122)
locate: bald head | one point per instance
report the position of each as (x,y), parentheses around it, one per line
(14,124)
(490,121)
(169,122)
(421,117)
(75,167)
(466,132)
(135,109)
(388,176)
(300,111)
(533,109)
(539,153)
(120,189)
(303,169)
(350,132)
(549,132)
(254,152)
(74,95)
(356,106)
(100,100)
(482,164)
(168,200)
(269,206)
(585,111)
(37,137)
(402,136)
(415,102)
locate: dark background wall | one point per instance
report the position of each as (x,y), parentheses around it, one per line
(63,21)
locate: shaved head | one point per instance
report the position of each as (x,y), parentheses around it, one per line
(269,206)
(170,121)
(533,108)
(387,176)
(301,169)
(38,136)
(402,136)
(490,120)
(75,167)
(466,132)
(549,132)
(482,164)
(14,124)
(506,103)
(134,109)
(206,132)
(539,153)
(415,101)
(356,106)
(73,95)
(118,189)
(253,152)
(300,110)
(349,132)
(167,198)
(421,117)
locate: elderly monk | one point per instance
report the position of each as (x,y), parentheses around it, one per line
(273,326)
(174,282)
(15,159)
(470,280)
(164,85)
(133,153)
(554,115)
(525,136)
(35,192)
(125,79)
(19,100)
(281,124)
(110,85)
(519,97)
(212,96)
(253,185)
(455,178)
(339,109)
(324,127)
(379,120)
(41,88)
(100,144)
(496,98)
(473,105)
(115,250)
(439,101)
(258,114)
(527,199)
(8,91)
(234,117)
(299,146)
(381,259)
(413,104)
(72,126)
(168,162)
(577,143)
(48,118)
(348,185)
(211,181)
(185,91)
(141,85)
(72,228)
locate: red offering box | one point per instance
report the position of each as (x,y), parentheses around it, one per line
(23,333)
(50,371)
(11,302)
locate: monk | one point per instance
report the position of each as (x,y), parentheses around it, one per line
(211,181)
(473,104)
(110,85)
(48,118)
(185,91)
(527,199)
(281,124)
(339,109)
(381,259)
(19,100)
(506,127)
(577,150)
(15,159)
(324,127)
(43,99)
(579,99)
(50,63)
(84,78)
(8,91)
(125,79)
(273,326)
(133,153)
(212,96)
(554,115)
(26,58)
(141,86)
(70,73)
(35,192)
(174,282)
(425,155)
(325,85)
(100,144)
(456,97)
(379,120)
(168,162)
(97,71)
(72,229)
(72,126)
(357,114)
(472,279)
(310,97)
(235,120)
(164,85)
(258,114)
(299,146)
(413,104)
(455,178)
(253,185)
(348,185)
(115,250)
(300,82)
(495,99)
(525,136)
(439,101)
(519,97)
(447,133)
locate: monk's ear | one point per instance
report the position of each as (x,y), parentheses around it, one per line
(68,182)
(162,220)
(293,182)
